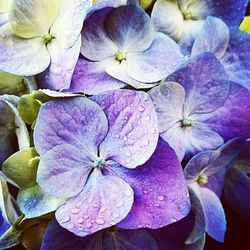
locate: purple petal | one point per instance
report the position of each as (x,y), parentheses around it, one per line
(77,121)
(104,201)
(214,213)
(133,130)
(198,229)
(214,37)
(91,78)
(233,118)
(130,28)
(119,71)
(61,164)
(157,62)
(236,59)
(168,99)
(96,45)
(191,140)
(161,195)
(203,94)
(236,192)
(58,75)
(232,14)
(210,162)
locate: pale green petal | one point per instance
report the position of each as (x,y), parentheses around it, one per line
(21,129)
(5,6)
(32,18)
(23,57)
(245,25)
(21,167)
(68,25)
(34,202)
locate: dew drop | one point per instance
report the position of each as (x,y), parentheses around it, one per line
(160,198)
(75,211)
(119,204)
(103,209)
(145,191)
(141,109)
(85,217)
(88,225)
(78,204)
(100,221)
(116,215)
(80,220)
(65,219)
(70,226)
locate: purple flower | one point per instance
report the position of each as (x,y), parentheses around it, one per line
(183,19)
(89,153)
(197,112)
(231,47)
(205,176)
(120,47)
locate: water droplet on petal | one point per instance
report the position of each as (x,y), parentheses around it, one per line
(78,204)
(102,209)
(141,109)
(119,204)
(80,220)
(145,191)
(160,198)
(85,217)
(65,219)
(70,226)
(75,211)
(88,225)
(100,221)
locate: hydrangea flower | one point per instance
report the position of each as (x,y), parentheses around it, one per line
(195,112)
(231,47)
(39,36)
(120,47)
(205,176)
(183,19)
(95,147)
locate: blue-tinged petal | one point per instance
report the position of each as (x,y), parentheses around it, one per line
(167,18)
(197,245)
(236,59)
(104,201)
(157,62)
(232,11)
(130,28)
(118,70)
(63,61)
(61,164)
(160,190)
(68,23)
(203,94)
(22,56)
(168,99)
(214,213)
(111,239)
(191,140)
(133,128)
(236,192)
(232,119)
(4,18)
(91,78)
(96,45)
(210,162)
(77,121)
(34,202)
(199,225)
(214,37)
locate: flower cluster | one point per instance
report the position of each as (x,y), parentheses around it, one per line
(122,122)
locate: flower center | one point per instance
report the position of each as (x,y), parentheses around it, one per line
(203,179)
(187,15)
(47,38)
(99,163)
(186,122)
(119,56)
(22,86)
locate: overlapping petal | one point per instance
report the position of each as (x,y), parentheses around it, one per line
(77,121)
(203,94)
(133,128)
(157,62)
(157,203)
(104,201)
